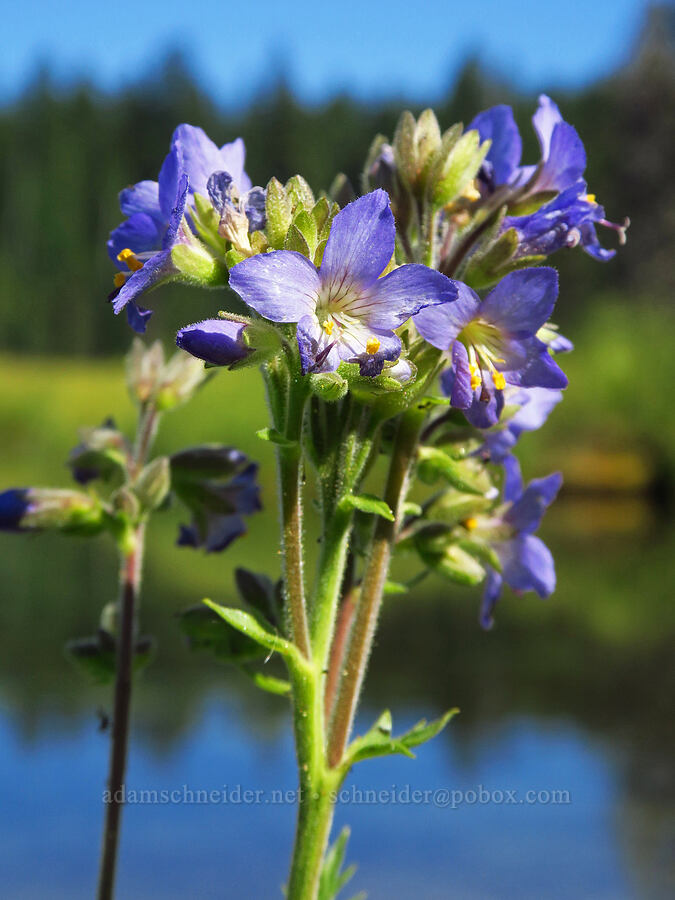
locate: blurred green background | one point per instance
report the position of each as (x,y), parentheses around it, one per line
(597,657)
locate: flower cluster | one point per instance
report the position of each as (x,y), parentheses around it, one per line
(434,272)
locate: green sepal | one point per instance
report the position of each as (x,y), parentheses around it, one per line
(318,253)
(484,267)
(450,560)
(434,464)
(304,222)
(330,386)
(197,264)
(405,149)
(253,626)
(368,503)
(295,240)
(232,257)
(333,878)
(205,631)
(153,484)
(279,213)
(412,509)
(482,552)
(532,203)
(300,193)
(275,437)
(206,221)
(460,168)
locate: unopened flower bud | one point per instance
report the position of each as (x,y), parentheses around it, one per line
(31,509)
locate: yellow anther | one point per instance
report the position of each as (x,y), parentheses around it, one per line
(470,524)
(471,192)
(476,380)
(372,346)
(328,326)
(119,279)
(589,198)
(499,380)
(127,256)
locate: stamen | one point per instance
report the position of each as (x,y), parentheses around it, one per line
(328,326)
(372,346)
(590,198)
(119,279)
(129,257)
(470,524)
(476,380)
(498,380)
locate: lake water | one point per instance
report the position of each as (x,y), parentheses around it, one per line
(573,696)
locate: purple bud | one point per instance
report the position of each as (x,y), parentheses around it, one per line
(13,505)
(216,341)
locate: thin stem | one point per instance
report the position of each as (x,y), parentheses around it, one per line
(287,417)
(130,572)
(365,621)
(340,638)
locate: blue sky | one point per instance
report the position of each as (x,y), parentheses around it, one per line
(370,48)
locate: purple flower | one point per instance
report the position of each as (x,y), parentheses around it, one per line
(493,342)
(344,310)
(14,504)
(141,246)
(535,405)
(217,341)
(567,221)
(570,218)
(526,562)
(219,486)
(563,158)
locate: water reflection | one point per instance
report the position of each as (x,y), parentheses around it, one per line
(574,694)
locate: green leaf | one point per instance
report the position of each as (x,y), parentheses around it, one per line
(378,741)
(205,630)
(395,587)
(259,592)
(254,627)
(333,878)
(95,656)
(424,731)
(412,509)
(369,503)
(275,437)
(268,683)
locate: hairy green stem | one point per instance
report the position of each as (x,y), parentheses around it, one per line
(372,587)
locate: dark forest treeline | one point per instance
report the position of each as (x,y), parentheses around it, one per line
(63,159)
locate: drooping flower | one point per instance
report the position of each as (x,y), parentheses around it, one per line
(142,246)
(568,219)
(219,486)
(526,562)
(216,341)
(344,310)
(493,343)
(534,406)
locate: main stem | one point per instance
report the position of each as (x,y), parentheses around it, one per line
(130,571)
(372,587)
